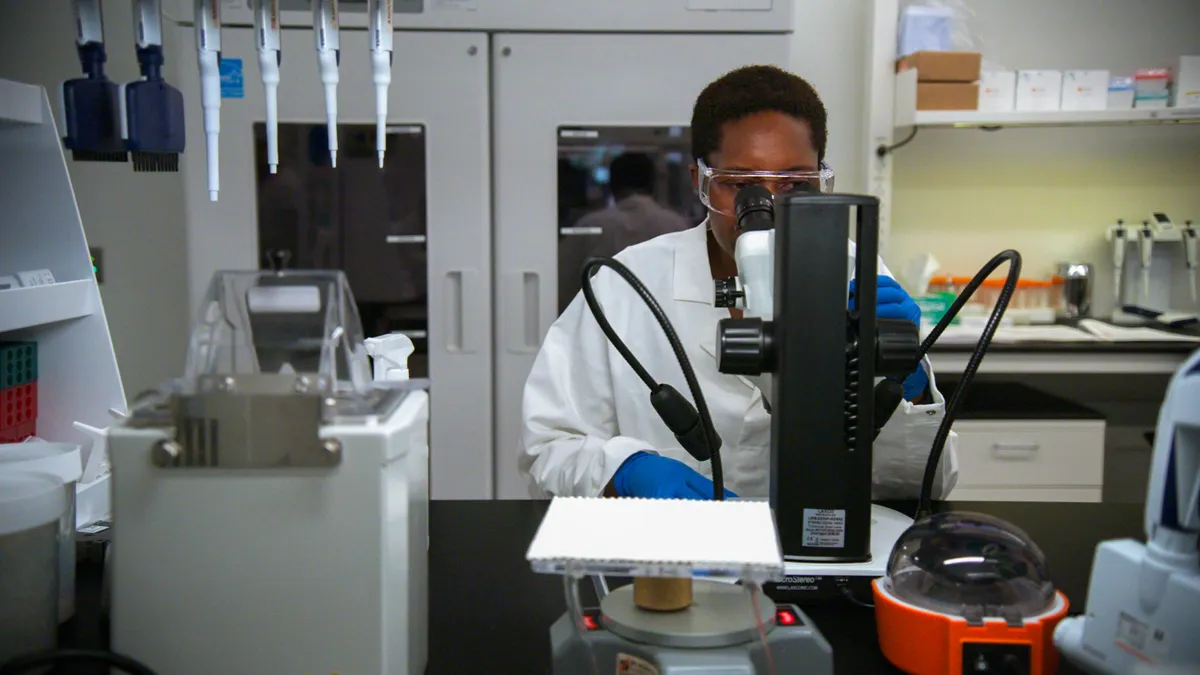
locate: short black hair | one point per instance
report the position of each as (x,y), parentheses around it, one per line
(750,90)
(631,172)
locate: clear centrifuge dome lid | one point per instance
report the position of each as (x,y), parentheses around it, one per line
(970,565)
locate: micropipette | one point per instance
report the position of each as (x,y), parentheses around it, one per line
(1189,253)
(1120,238)
(270,57)
(325,28)
(380,18)
(1147,248)
(208,50)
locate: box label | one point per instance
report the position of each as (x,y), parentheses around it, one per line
(825,528)
(232,82)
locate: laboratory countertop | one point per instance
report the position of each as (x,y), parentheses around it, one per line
(1084,347)
(489,613)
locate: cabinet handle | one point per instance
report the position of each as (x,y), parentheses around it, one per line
(405,239)
(523,314)
(580,231)
(464,311)
(1015,451)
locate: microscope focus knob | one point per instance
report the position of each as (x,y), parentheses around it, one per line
(744,346)
(897,344)
(727,292)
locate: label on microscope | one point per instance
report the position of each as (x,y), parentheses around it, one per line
(632,665)
(825,528)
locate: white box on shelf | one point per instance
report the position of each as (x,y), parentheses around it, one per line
(1152,80)
(1120,93)
(1156,101)
(997,91)
(1039,90)
(1085,90)
(1187,82)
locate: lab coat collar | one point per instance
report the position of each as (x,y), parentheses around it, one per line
(692,281)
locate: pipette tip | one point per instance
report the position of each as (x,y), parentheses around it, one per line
(380,153)
(274,168)
(212,195)
(333,158)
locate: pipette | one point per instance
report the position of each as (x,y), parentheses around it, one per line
(1189,254)
(208,51)
(1120,238)
(1146,244)
(270,57)
(380,18)
(325,28)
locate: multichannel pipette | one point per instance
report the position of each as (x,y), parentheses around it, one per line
(208,51)
(270,57)
(380,23)
(325,28)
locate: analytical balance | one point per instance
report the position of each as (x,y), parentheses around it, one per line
(271,507)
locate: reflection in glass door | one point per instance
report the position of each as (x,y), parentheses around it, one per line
(619,186)
(359,218)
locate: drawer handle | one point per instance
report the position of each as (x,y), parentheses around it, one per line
(1015,451)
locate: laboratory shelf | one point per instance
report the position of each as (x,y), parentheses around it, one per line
(77,377)
(40,305)
(20,103)
(962,119)
(907,116)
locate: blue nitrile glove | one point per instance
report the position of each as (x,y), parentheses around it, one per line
(652,476)
(893,302)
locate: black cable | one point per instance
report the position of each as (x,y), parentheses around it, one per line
(924,507)
(707,429)
(27,664)
(885,150)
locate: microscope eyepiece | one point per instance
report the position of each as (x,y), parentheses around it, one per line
(754,207)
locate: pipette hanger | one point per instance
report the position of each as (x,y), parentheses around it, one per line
(379,14)
(270,57)
(208,51)
(325,30)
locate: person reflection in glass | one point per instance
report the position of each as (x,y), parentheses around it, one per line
(634,216)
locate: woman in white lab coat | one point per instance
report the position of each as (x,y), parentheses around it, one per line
(589,428)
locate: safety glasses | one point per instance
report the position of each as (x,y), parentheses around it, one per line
(719,187)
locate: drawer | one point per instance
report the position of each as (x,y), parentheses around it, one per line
(1028,454)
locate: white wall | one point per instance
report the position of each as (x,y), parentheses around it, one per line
(1050,193)
(135,218)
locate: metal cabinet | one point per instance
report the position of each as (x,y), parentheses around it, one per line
(543,84)
(414,237)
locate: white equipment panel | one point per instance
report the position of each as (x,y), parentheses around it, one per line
(542,82)
(693,16)
(439,83)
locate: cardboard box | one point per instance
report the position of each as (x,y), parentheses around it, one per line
(1085,90)
(1187,82)
(997,91)
(942,66)
(947,96)
(1039,90)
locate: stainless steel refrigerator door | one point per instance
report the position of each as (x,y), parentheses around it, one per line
(440,84)
(542,82)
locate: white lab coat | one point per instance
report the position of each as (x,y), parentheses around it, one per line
(586,411)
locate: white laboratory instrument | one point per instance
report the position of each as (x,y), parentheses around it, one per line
(472,226)
(1146,286)
(1143,605)
(273,503)
(208,51)
(379,38)
(270,58)
(326,33)
(674,618)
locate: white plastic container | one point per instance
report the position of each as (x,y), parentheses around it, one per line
(1039,90)
(31,506)
(1085,90)
(997,91)
(62,460)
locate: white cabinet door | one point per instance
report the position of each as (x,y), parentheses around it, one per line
(544,85)
(1030,460)
(414,238)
